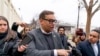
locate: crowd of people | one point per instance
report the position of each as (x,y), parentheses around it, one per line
(44,41)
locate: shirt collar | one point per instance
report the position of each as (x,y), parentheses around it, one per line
(44,31)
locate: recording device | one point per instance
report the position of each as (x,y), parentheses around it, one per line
(79,32)
(75,52)
(25,41)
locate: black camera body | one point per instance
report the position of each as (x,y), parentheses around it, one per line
(75,52)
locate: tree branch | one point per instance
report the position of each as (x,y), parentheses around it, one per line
(98,8)
(86,6)
(90,4)
(95,3)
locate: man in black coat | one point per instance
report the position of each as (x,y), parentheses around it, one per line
(91,46)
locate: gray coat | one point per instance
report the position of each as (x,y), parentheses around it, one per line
(38,46)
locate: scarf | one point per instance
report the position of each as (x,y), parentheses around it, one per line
(3,35)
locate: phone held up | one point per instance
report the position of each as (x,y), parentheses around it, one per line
(26,41)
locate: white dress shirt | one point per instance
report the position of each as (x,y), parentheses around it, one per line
(95,48)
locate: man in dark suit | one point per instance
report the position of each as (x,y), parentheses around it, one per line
(45,42)
(91,46)
(64,38)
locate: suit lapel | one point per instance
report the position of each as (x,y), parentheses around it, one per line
(98,49)
(55,40)
(90,49)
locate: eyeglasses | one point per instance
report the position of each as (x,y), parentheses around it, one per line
(50,20)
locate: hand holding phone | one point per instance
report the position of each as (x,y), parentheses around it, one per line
(26,41)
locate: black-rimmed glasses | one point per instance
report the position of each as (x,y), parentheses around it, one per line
(51,20)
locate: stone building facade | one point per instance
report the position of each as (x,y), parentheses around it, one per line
(7,10)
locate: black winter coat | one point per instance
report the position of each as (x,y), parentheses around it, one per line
(7,48)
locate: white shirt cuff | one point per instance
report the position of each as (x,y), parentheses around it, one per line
(55,53)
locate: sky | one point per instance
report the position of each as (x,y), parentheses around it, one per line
(65,10)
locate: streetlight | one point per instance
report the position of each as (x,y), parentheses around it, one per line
(78,15)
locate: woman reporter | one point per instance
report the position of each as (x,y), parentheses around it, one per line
(8,38)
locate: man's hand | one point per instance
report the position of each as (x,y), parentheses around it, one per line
(22,24)
(63,52)
(22,48)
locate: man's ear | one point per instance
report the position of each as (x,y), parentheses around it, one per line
(41,21)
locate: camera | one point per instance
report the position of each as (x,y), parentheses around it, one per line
(75,52)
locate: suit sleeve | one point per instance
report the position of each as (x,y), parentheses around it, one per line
(14,27)
(78,46)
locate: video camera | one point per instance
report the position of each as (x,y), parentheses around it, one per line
(75,52)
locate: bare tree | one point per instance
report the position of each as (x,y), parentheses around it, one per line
(89,6)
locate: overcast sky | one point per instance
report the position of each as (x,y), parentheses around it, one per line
(65,10)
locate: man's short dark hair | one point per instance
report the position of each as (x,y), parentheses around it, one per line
(96,31)
(45,12)
(61,27)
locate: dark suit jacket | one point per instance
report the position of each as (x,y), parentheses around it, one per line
(38,47)
(64,39)
(86,48)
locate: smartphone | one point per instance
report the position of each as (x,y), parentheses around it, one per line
(25,41)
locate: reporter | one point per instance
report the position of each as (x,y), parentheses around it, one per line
(8,38)
(25,29)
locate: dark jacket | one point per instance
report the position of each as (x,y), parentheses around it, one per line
(86,48)
(15,28)
(64,39)
(7,45)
